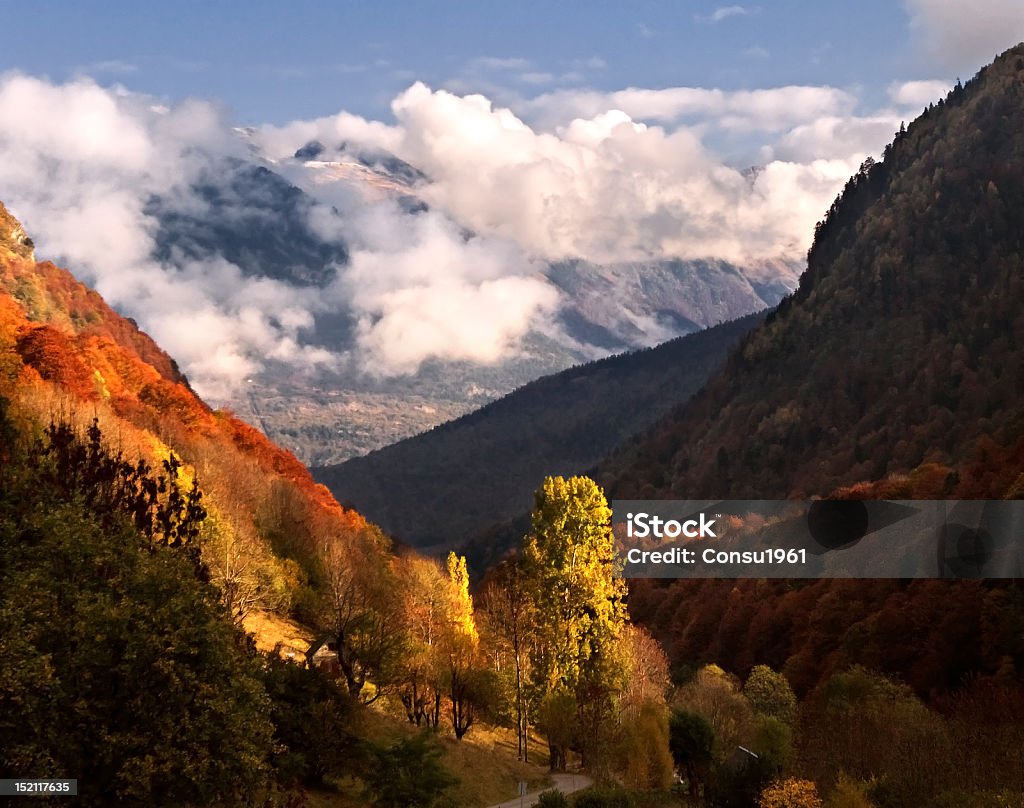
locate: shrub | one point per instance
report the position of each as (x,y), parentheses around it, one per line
(408,775)
(791,793)
(603,798)
(849,793)
(312,721)
(552,799)
(645,760)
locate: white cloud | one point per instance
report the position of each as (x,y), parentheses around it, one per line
(80,162)
(965,37)
(771,109)
(915,95)
(79,122)
(109,66)
(725,12)
(610,188)
(536,77)
(421,289)
(284,141)
(837,138)
(501,63)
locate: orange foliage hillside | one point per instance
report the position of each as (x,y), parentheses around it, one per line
(62,348)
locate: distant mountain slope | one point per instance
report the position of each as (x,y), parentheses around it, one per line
(441,487)
(251,217)
(896,370)
(618,307)
(300,221)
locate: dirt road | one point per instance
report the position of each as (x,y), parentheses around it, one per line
(566,783)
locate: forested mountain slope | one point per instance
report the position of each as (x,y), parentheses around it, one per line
(442,487)
(895,371)
(902,344)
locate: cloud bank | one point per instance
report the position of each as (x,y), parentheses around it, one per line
(78,164)
(958,36)
(421,289)
(628,176)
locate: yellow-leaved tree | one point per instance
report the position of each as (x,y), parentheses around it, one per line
(467,679)
(791,793)
(569,562)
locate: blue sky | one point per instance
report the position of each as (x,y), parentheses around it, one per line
(273,61)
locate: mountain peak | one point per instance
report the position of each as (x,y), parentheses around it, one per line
(13,236)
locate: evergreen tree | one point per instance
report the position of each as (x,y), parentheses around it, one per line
(408,775)
(116,662)
(692,742)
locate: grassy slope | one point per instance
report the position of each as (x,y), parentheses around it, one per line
(484,762)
